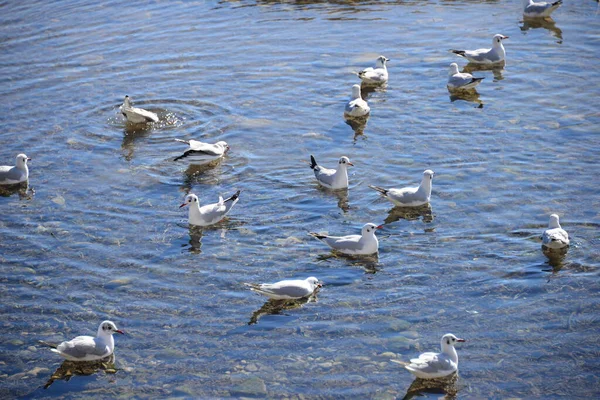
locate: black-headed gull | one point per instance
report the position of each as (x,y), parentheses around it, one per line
(555,237)
(486,56)
(364,244)
(461,80)
(17,174)
(356,107)
(203,153)
(331,178)
(287,289)
(377,75)
(409,196)
(88,348)
(136,115)
(210,213)
(437,365)
(540,9)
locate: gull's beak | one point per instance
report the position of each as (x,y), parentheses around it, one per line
(379,227)
(28,158)
(504,37)
(461,340)
(350,164)
(320,284)
(183,205)
(120,331)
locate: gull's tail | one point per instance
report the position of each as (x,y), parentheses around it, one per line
(313,162)
(234,197)
(51,345)
(459,52)
(379,189)
(317,235)
(557,3)
(182,141)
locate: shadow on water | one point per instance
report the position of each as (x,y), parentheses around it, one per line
(276,307)
(410,214)
(497,69)
(358,125)
(69,369)
(546,23)
(22,189)
(445,386)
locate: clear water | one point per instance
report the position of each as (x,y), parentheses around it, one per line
(103,237)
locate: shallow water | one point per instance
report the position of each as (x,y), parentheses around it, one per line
(103,238)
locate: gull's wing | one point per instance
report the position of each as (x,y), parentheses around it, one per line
(83,346)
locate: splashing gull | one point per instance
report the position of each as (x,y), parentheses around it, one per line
(136,115)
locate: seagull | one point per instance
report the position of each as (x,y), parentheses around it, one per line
(409,196)
(363,244)
(17,174)
(136,115)
(88,348)
(486,56)
(331,178)
(288,289)
(461,81)
(541,9)
(437,365)
(555,237)
(356,107)
(376,75)
(202,153)
(210,213)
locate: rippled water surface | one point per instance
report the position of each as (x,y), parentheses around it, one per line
(102,236)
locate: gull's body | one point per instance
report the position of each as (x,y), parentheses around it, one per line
(461,80)
(287,289)
(363,244)
(17,174)
(539,9)
(437,365)
(555,237)
(409,196)
(377,75)
(136,115)
(356,107)
(331,178)
(211,213)
(494,55)
(202,153)
(88,348)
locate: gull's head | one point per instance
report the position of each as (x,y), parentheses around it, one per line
(498,38)
(224,145)
(449,340)
(554,221)
(369,229)
(453,69)
(356,92)
(127,101)
(428,174)
(189,199)
(381,60)
(22,160)
(344,162)
(107,328)
(314,282)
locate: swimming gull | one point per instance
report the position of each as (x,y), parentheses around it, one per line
(461,81)
(88,348)
(287,289)
(17,174)
(136,115)
(409,196)
(363,244)
(210,213)
(202,153)
(356,107)
(539,9)
(555,237)
(331,178)
(376,75)
(486,56)
(437,365)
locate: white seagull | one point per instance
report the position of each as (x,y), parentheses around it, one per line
(88,348)
(376,75)
(541,9)
(210,213)
(363,244)
(17,174)
(409,196)
(136,115)
(486,56)
(461,80)
(356,107)
(437,365)
(288,289)
(555,237)
(331,178)
(202,153)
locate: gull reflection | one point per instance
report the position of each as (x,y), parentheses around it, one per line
(194,171)
(22,189)
(274,307)
(410,213)
(196,233)
(358,125)
(556,257)
(469,95)
(68,369)
(341,194)
(366,89)
(370,263)
(497,69)
(131,134)
(546,23)
(445,386)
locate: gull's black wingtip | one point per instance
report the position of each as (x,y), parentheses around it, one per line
(313,162)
